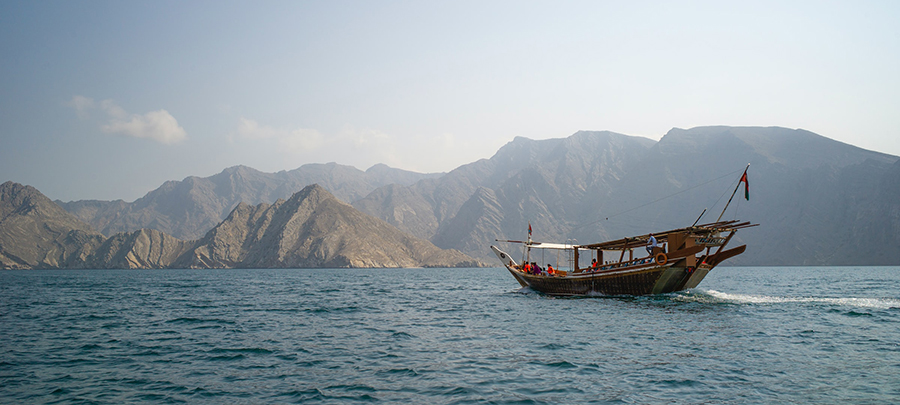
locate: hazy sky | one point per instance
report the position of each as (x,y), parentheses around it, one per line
(107,100)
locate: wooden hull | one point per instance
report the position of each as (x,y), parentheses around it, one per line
(654,280)
(663,271)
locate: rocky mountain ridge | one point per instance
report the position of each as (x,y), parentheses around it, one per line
(313,229)
(595,186)
(310,229)
(187,209)
(35,233)
(818,201)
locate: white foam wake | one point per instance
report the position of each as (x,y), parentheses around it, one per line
(878,303)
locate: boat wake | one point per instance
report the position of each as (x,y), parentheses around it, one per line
(718,297)
(876,303)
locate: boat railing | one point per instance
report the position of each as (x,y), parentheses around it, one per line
(619,265)
(710,240)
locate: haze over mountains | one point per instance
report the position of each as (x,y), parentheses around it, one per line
(189,208)
(310,229)
(819,201)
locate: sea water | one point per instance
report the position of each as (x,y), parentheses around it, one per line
(747,335)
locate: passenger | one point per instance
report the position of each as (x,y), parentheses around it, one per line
(526,268)
(651,244)
(594,263)
(537,269)
(550,270)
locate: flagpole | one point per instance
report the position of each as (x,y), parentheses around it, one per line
(733,193)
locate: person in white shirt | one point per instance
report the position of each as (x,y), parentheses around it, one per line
(652,244)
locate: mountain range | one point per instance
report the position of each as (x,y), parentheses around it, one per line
(310,229)
(818,201)
(187,209)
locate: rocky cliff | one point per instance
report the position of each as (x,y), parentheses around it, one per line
(313,229)
(37,233)
(141,249)
(310,229)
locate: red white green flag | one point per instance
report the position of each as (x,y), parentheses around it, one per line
(746,186)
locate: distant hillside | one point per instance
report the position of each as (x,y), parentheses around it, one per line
(189,208)
(313,229)
(808,193)
(554,184)
(531,180)
(35,233)
(819,201)
(310,229)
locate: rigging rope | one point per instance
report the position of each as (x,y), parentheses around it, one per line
(719,199)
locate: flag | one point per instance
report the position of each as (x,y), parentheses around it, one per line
(746,186)
(529,228)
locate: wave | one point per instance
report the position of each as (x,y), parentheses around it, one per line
(251,350)
(877,303)
(200,320)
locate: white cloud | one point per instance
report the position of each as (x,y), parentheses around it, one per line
(159,126)
(82,105)
(282,148)
(365,138)
(303,140)
(250,129)
(291,141)
(113,110)
(305,145)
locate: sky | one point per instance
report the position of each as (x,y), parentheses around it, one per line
(108,100)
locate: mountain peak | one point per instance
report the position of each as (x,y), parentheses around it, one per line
(313,229)
(313,193)
(378,167)
(239,169)
(18,199)
(797,148)
(11,189)
(35,232)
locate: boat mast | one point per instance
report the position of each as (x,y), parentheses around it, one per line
(732,194)
(701,216)
(528,245)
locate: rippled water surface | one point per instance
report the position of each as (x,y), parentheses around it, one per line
(748,335)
